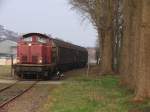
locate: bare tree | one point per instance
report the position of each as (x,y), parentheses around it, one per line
(100,13)
(135,62)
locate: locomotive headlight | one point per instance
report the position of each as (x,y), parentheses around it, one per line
(29,44)
(40,60)
(18,60)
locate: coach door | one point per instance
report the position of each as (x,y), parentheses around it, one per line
(54,55)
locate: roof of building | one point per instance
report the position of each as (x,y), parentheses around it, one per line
(6,47)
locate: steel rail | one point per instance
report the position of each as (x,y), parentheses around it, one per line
(13,98)
(5,88)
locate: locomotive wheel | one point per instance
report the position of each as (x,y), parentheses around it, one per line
(45,75)
(16,75)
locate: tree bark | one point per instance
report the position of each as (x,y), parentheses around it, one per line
(107,45)
(135,61)
(129,44)
(143,75)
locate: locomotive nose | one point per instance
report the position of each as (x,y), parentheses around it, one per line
(30,54)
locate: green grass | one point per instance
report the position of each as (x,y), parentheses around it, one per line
(5,72)
(84,94)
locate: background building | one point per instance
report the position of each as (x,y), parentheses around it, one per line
(8,48)
(91,55)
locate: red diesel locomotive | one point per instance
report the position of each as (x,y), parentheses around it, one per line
(42,56)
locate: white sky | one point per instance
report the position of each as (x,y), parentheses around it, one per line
(54,17)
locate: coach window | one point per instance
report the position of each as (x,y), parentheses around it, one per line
(28,39)
(42,40)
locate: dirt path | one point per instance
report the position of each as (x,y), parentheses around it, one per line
(31,101)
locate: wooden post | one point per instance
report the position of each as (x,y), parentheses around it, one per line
(88,67)
(12,62)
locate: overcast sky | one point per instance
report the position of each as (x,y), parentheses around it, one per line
(54,17)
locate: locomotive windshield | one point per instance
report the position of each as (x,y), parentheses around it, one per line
(28,39)
(41,40)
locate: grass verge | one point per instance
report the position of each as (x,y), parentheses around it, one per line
(5,72)
(84,94)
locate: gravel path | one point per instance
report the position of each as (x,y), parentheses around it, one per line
(7,81)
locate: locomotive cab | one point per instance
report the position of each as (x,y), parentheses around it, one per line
(34,49)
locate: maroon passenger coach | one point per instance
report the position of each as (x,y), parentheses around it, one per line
(43,56)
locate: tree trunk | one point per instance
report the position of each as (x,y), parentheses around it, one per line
(135,61)
(129,44)
(124,63)
(106,61)
(143,75)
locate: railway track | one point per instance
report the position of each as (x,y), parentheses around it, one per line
(17,95)
(5,88)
